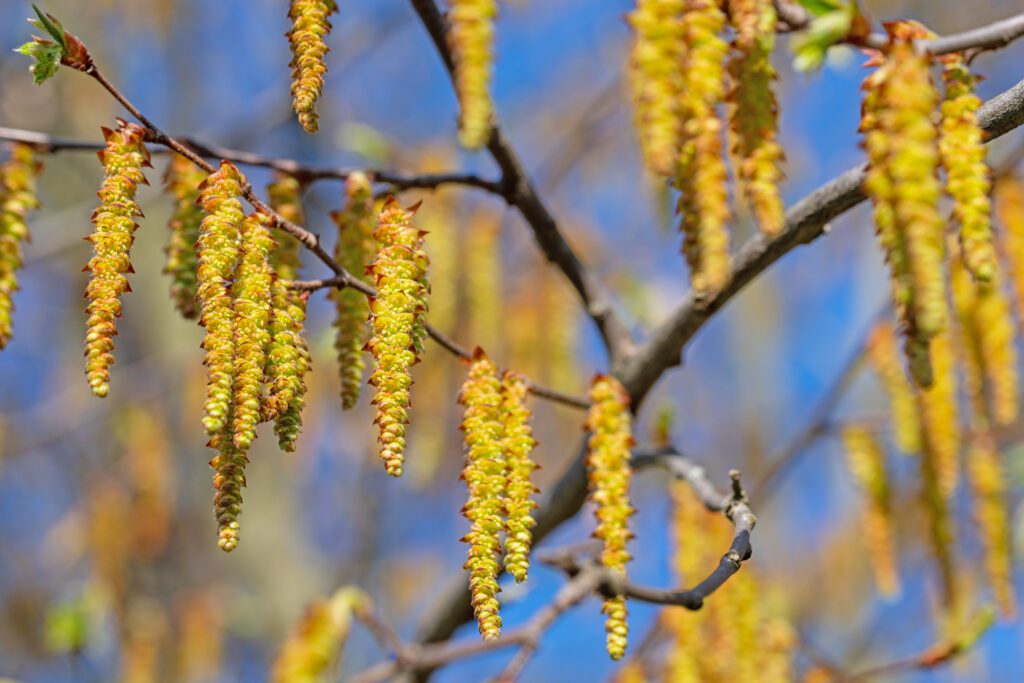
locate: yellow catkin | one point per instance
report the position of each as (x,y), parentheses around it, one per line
(314,648)
(251,292)
(901,143)
(471,40)
(354,250)
(692,554)
(288,362)
(1009,207)
(200,648)
(630,672)
(518,443)
(608,452)
(310,26)
(753,111)
(657,80)
(963,157)
(986,329)
(866,460)
(992,515)
(938,412)
(182,180)
(484,281)
(114,228)
(285,194)
(217,251)
(228,481)
(398,317)
(883,355)
(701,175)
(17,198)
(485,475)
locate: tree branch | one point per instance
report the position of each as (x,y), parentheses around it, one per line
(520,193)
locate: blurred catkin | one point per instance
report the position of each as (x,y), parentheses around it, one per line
(939,416)
(182,180)
(310,26)
(285,194)
(608,452)
(114,228)
(518,444)
(883,355)
(17,199)
(471,41)
(988,480)
(397,314)
(1009,209)
(354,251)
(314,648)
(484,281)
(485,475)
(753,111)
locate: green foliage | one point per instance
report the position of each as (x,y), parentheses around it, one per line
(832,23)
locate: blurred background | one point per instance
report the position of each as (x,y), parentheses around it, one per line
(108,558)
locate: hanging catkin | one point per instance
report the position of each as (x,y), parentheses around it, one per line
(228,481)
(608,453)
(866,460)
(1009,207)
(471,40)
(17,198)
(397,314)
(987,477)
(218,251)
(518,443)
(354,250)
(484,281)
(285,194)
(657,80)
(182,180)
(485,476)
(310,26)
(963,157)
(939,419)
(753,111)
(902,182)
(883,355)
(313,650)
(288,361)
(114,224)
(692,553)
(701,176)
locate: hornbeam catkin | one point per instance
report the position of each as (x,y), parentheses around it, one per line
(753,111)
(285,194)
(218,252)
(939,425)
(963,157)
(608,453)
(485,476)
(114,224)
(701,176)
(228,481)
(518,443)
(692,551)
(657,80)
(991,513)
(471,40)
(1009,206)
(310,26)
(252,306)
(182,180)
(883,355)
(902,182)
(866,460)
(17,198)
(288,361)
(354,250)
(397,314)
(314,648)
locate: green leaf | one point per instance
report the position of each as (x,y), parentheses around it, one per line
(810,47)
(820,7)
(49,23)
(47,56)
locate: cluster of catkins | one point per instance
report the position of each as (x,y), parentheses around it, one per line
(498,472)
(683,72)
(17,198)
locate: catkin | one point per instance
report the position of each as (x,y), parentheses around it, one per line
(902,183)
(114,224)
(354,250)
(1009,208)
(397,314)
(988,487)
(753,111)
(218,251)
(485,475)
(884,358)
(313,649)
(938,412)
(657,80)
(310,26)
(963,157)
(692,553)
(17,198)
(182,180)
(228,481)
(866,460)
(701,176)
(471,40)
(285,194)
(484,281)
(252,307)
(608,452)
(288,361)
(518,443)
